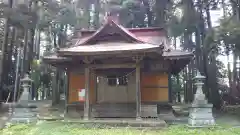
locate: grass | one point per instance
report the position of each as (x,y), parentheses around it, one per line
(57,128)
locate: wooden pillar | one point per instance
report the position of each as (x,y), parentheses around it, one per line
(87,86)
(54,88)
(138,86)
(138,92)
(95,88)
(59,74)
(86,114)
(66,84)
(170,94)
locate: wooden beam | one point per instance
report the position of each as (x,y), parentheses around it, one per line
(107,66)
(102,66)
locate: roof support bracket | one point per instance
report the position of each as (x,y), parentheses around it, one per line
(138,58)
(87,60)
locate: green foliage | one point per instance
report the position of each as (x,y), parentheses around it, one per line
(222,72)
(229,32)
(210,43)
(175,27)
(175,86)
(36,72)
(131,12)
(190,17)
(41,75)
(20,129)
(66,15)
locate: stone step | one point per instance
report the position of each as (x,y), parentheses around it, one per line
(114,110)
(50,117)
(120,123)
(122,110)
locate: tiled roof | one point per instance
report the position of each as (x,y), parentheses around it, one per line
(98,32)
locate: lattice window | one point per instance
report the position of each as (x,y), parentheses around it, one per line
(123,80)
(112,80)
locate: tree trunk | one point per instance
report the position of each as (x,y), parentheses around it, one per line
(160,7)
(190,81)
(224,8)
(4,59)
(86,15)
(229,71)
(9,66)
(31,50)
(214,93)
(199,53)
(234,66)
(149,13)
(26,55)
(178,93)
(96,14)
(3,73)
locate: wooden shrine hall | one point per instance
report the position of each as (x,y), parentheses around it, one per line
(118,72)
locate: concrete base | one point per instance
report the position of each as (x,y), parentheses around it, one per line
(24,112)
(201,122)
(201,116)
(23,115)
(204,126)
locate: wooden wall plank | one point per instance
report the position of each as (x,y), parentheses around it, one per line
(154,87)
(77,81)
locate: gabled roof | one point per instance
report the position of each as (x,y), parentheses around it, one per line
(103,30)
(92,45)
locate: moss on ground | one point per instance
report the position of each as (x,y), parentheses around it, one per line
(58,128)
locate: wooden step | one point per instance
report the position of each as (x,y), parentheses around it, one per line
(113,110)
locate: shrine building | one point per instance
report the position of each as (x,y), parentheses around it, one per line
(117,72)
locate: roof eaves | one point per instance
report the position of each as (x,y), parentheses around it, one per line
(67,52)
(55,57)
(177,54)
